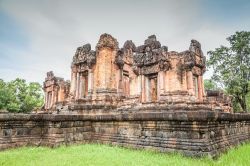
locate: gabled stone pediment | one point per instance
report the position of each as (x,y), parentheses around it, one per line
(84,55)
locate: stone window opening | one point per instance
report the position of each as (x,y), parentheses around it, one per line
(152,88)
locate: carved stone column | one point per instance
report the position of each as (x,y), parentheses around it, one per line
(147,89)
(120,84)
(161,82)
(80,95)
(190,83)
(166,78)
(60,94)
(45,99)
(49,100)
(73,84)
(200,91)
(139,86)
(90,82)
(77,85)
(52,99)
(202,86)
(143,88)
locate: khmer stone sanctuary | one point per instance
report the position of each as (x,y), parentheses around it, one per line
(134,96)
(131,77)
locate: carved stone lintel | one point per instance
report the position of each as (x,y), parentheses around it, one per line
(84,55)
(151,57)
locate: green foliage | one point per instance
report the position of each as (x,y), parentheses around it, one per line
(19,96)
(210,85)
(94,154)
(232,67)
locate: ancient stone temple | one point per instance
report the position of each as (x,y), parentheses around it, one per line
(122,77)
(56,90)
(136,96)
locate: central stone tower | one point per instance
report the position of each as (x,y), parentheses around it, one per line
(106,72)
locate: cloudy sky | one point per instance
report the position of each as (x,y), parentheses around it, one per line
(37,36)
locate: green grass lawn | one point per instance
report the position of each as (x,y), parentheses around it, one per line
(95,154)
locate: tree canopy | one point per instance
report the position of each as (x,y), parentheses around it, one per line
(210,85)
(20,96)
(231,67)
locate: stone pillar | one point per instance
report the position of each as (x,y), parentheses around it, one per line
(90,82)
(77,85)
(73,84)
(166,86)
(48,100)
(147,89)
(139,86)
(202,86)
(59,93)
(52,98)
(161,83)
(190,83)
(45,100)
(143,88)
(200,93)
(120,83)
(81,86)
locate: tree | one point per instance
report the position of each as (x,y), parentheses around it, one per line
(231,67)
(210,85)
(19,96)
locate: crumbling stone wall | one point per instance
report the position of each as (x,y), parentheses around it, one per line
(194,133)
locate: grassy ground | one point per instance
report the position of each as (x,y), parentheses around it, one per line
(94,154)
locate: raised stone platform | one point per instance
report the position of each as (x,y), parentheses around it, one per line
(194,133)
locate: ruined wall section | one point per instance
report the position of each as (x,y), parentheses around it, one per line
(192,133)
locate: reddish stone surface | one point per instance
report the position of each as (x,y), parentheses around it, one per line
(131,76)
(193,133)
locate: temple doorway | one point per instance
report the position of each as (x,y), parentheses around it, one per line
(153,88)
(84,84)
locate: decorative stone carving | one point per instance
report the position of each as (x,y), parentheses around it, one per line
(106,40)
(84,55)
(189,60)
(195,47)
(119,59)
(135,69)
(129,45)
(152,42)
(151,57)
(91,59)
(50,75)
(165,65)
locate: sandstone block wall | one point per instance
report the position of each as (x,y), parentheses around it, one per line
(192,133)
